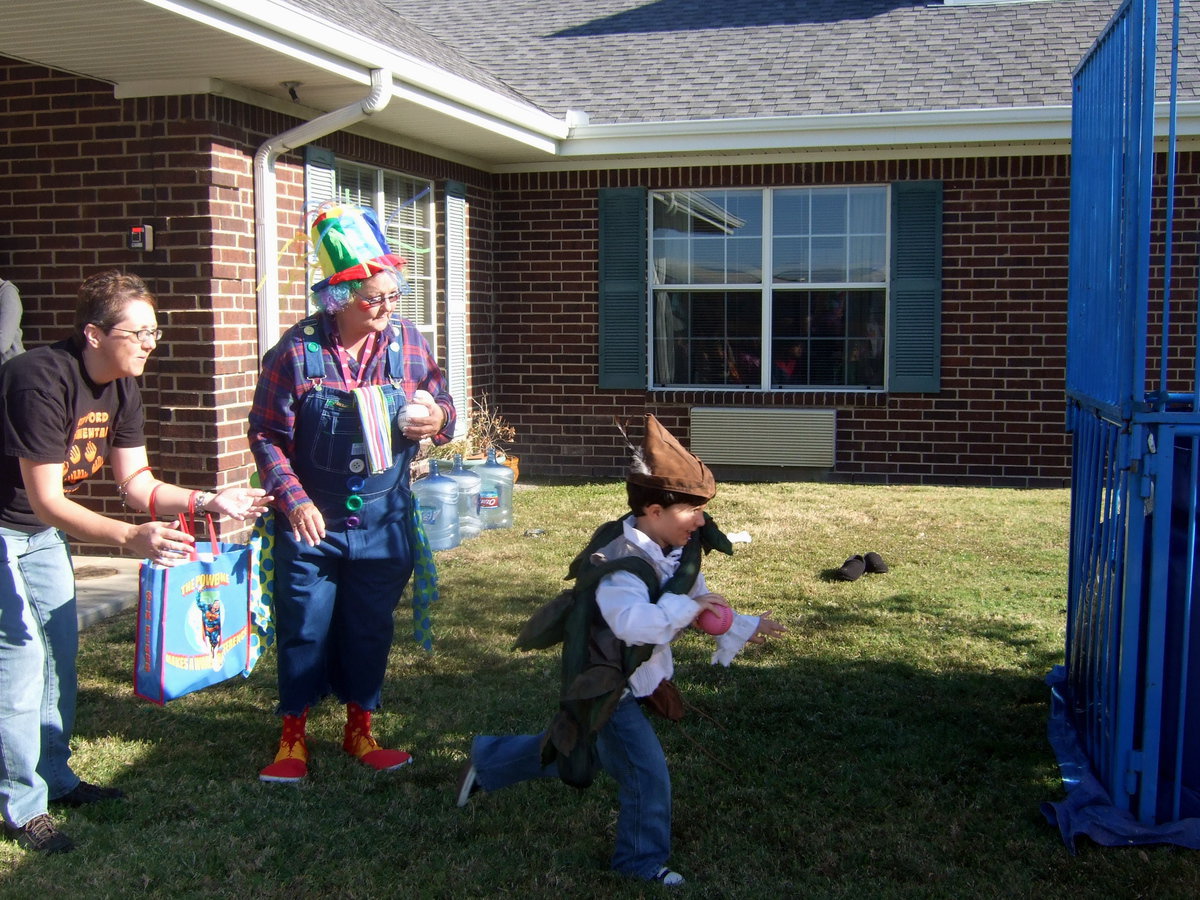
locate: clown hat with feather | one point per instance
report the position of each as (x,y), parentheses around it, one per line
(350,247)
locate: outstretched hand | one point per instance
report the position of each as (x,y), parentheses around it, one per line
(767,627)
(240,503)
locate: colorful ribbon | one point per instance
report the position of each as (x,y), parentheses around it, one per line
(424,580)
(376,426)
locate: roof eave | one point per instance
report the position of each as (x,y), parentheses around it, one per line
(967,132)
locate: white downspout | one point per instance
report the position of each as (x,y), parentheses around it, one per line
(265,213)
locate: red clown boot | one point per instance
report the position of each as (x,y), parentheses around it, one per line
(359,743)
(291,761)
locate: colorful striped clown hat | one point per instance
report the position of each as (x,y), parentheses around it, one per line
(350,245)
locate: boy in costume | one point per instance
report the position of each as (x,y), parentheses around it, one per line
(616,630)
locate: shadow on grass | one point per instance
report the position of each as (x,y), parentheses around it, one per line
(818,777)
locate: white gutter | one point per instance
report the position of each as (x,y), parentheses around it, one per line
(266,238)
(317,41)
(961,127)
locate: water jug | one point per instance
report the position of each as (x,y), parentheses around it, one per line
(468,498)
(437,497)
(495,493)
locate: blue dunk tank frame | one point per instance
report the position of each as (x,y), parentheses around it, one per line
(1125,707)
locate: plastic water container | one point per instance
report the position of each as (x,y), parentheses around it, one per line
(469,485)
(495,493)
(437,498)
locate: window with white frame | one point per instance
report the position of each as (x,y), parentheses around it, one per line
(769,289)
(405,208)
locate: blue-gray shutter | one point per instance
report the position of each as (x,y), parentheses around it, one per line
(623,249)
(915,320)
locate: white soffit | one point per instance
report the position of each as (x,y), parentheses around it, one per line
(248,49)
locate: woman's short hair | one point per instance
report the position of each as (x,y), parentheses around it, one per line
(103,298)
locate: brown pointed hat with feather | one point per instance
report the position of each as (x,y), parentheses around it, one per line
(662,462)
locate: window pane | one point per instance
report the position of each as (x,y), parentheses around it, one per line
(868,211)
(791,259)
(671,261)
(793,209)
(707,237)
(707,338)
(828,339)
(829,259)
(829,212)
(866,258)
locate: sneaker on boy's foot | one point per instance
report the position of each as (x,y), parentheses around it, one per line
(85,792)
(42,835)
(667,877)
(468,784)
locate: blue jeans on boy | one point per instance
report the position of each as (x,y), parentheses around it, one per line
(630,752)
(39,640)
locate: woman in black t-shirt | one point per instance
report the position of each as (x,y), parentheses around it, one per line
(65,410)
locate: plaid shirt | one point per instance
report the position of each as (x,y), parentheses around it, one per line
(283,385)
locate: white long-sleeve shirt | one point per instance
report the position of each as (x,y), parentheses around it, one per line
(626,607)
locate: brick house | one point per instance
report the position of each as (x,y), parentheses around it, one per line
(823,239)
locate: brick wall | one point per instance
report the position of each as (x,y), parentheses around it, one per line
(78,168)
(998,419)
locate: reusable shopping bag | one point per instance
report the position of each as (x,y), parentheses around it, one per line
(194,624)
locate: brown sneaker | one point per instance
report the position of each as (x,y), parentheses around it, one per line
(41,835)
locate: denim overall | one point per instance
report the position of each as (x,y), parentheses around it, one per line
(334,602)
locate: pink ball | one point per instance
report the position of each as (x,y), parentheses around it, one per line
(715,621)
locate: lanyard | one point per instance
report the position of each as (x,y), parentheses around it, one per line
(345,361)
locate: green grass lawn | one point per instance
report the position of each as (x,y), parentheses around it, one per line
(892,744)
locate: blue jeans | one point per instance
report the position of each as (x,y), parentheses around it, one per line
(39,640)
(630,752)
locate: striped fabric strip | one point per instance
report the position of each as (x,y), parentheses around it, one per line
(376,426)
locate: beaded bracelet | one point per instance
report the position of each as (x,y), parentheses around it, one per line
(123,487)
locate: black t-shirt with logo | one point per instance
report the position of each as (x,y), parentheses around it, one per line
(52,412)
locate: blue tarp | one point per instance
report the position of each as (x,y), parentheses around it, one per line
(1088,809)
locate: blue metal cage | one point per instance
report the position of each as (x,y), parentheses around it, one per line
(1130,688)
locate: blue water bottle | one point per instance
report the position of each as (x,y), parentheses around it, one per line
(437,498)
(495,493)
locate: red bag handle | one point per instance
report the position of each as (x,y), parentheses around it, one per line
(188,524)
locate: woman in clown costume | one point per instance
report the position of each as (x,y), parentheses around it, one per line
(332,443)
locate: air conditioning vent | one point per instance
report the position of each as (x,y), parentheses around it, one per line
(764,437)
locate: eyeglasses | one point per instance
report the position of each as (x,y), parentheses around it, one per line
(142,334)
(375,301)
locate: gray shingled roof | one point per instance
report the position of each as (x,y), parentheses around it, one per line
(629,61)
(375,20)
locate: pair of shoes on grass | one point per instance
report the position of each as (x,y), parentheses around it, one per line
(855,566)
(41,835)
